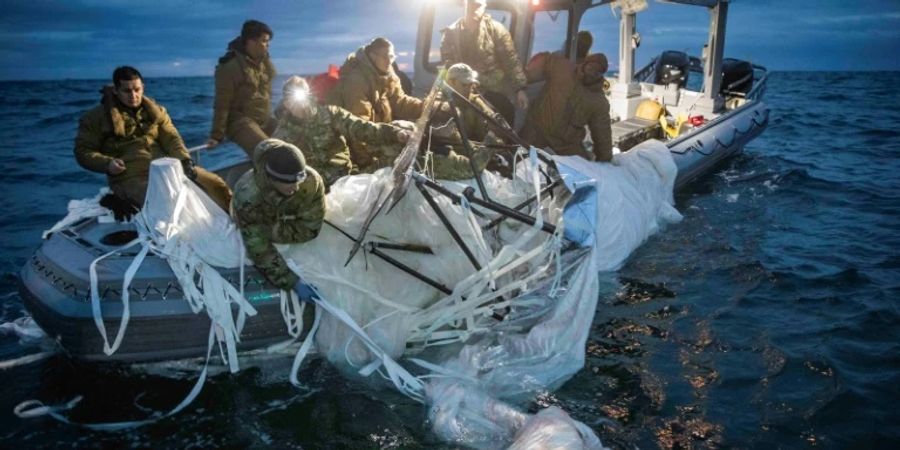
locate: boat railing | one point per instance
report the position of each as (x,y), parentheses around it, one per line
(760,79)
(647,72)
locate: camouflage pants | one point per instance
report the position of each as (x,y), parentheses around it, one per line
(456,166)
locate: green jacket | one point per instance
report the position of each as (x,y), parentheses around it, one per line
(265,217)
(243,90)
(489,50)
(111,130)
(476,126)
(325,135)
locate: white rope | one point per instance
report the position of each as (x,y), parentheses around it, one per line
(304,349)
(30,409)
(25,360)
(95,294)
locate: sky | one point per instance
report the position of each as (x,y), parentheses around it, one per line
(53,39)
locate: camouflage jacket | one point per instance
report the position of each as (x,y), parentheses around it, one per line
(325,134)
(450,156)
(265,217)
(564,107)
(489,50)
(137,136)
(243,90)
(476,126)
(372,95)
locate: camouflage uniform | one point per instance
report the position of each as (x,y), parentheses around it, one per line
(489,50)
(326,133)
(451,161)
(243,98)
(136,136)
(265,217)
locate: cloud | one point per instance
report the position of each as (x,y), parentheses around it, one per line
(87,38)
(852,19)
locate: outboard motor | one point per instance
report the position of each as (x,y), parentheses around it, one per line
(737,76)
(672,68)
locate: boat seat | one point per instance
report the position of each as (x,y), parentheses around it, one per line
(630,132)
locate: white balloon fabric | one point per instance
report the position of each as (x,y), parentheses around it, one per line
(537,347)
(372,314)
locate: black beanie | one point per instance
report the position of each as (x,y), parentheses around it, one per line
(285,162)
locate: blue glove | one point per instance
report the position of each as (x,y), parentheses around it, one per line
(305,292)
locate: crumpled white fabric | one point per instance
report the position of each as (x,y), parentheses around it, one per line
(468,401)
(81,209)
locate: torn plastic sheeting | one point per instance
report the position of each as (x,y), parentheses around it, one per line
(580,213)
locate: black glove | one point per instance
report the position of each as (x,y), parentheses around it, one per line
(121,208)
(189,171)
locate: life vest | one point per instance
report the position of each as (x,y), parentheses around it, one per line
(321,84)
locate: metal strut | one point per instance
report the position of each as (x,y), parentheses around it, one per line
(469,194)
(374,248)
(519,207)
(464,137)
(456,237)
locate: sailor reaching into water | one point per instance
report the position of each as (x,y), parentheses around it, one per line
(124,133)
(327,129)
(281,200)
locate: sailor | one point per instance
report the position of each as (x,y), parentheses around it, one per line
(281,200)
(485,45)
(571,99)
(124,133)
(326,129)
(583,42)
(370,89)
(451,159)
(244,75)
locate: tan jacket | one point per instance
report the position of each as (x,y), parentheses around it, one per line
(370,94)
(243,90)
(112,130)
(564,107)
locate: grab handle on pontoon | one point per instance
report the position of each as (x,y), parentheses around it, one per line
(195,152)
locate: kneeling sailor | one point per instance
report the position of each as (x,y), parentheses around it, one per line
(281,200)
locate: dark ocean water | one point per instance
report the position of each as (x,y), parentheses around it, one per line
(768,318)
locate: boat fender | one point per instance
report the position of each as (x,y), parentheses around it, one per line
(649,110)
(673,131)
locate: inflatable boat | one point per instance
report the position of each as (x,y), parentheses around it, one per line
(705,113)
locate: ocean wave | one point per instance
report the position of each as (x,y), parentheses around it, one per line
(69,117)
(880,133)
(201,98)
(805,273)
(82,102)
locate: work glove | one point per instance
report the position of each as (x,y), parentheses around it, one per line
(305,292)
(122,209)
(189,171)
